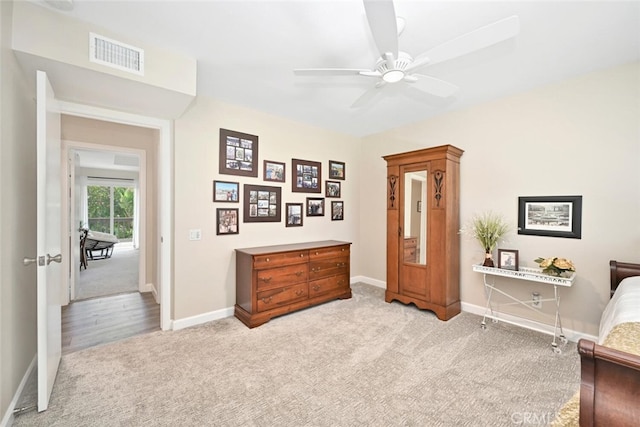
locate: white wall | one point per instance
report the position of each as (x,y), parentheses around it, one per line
(205,270)
(49,34)
(578,137)
(17,220)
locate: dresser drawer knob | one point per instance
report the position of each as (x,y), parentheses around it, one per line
(267,260)
(266,279)
(317,253)
(299,292)
(342,249)
(266,300)
(340,282)
(301,255)
(316,288)
(299,273)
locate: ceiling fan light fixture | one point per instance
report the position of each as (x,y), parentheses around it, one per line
(393,76)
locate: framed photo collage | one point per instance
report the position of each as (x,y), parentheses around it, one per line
(238,155)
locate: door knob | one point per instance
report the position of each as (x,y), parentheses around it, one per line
(28,261)
(55,258)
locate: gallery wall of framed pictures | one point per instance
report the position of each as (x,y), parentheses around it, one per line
(238,155)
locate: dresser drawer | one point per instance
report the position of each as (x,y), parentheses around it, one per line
(278,297)
(410,255)
(328,267)
(410,242)
(329,252)
(282,276)
(280,259)
(318,287)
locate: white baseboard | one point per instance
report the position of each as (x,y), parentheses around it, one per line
(570,334)
(202,318)
(369,281)
(150,287)
(228,312)
(8,418)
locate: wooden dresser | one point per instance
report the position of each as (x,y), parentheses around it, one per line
(274,280)
(410,249)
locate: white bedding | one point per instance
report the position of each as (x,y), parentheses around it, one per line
(623,307)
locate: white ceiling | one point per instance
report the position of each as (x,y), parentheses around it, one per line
(247,50)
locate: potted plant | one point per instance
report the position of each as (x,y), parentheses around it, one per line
(488,228)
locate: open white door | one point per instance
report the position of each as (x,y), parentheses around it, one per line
(49,239)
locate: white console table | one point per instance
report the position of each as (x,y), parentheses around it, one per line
(531,274)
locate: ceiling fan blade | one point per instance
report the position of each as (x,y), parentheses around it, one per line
(367,97)
(381,16)
(480,38)
(433,86)
(330,71)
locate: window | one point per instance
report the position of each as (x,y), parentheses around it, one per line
(111,210)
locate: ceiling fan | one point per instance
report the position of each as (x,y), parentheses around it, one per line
(395,66)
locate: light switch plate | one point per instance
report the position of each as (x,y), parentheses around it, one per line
(195,234)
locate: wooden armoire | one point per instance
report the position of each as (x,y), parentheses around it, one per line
(423,242)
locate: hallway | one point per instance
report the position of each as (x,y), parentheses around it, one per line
(100,321)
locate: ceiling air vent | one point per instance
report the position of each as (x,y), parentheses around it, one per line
(114,54)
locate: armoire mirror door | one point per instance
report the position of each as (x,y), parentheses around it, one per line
(413,233)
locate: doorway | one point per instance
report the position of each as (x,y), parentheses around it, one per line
(106,198)
(108,216)
(157,161)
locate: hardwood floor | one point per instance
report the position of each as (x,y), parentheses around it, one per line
(103,320)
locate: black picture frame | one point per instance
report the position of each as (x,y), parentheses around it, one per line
(508,259)
(274,171)
(238,153)
(337,211)
(226,191)
(333,189)
(553,216)
(227,221)
(262,203)
(307,176)
(315,206)
(294,214)
(337,170)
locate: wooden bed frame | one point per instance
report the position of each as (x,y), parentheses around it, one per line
(610,379)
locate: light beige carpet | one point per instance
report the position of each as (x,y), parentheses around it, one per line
(345,363)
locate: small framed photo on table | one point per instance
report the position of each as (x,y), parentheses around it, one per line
(508,259)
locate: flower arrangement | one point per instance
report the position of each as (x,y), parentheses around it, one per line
(555,266)
(488,228)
